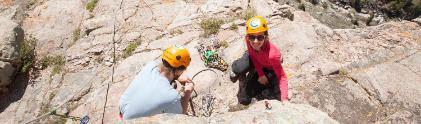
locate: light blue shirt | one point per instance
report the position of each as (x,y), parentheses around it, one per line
(149,93)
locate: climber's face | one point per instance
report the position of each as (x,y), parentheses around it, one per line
(256,40)
(177,73)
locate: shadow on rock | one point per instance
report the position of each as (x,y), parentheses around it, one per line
(16,91)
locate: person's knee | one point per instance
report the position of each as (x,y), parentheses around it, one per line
(244,101)
(241,65)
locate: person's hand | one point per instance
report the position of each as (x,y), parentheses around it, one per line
(188,87)
(263,80)
(184,79)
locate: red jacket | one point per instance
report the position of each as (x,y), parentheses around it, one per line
(269,57)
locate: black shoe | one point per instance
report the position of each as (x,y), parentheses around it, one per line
(233,77)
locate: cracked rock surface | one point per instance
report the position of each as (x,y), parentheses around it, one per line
(362,75)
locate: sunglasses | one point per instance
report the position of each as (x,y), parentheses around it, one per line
(259,37)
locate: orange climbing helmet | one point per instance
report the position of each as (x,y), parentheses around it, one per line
(177,56)
(256,24)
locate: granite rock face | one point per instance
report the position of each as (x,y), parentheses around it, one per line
(9,52)
(361,75)
(256,113)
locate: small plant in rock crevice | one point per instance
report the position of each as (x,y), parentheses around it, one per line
(91,5)
(211,26)
(57,62)
(233,26)
(131,48)
(249,13)
(27,53)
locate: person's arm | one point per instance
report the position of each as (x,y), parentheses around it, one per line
(188,89)
(185,102)
(275,60)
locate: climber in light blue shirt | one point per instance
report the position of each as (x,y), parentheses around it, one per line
(151,93)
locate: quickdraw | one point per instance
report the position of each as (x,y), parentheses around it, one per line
(207,99)
(211,58)
(207,102)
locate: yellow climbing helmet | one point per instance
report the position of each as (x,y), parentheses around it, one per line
(177,56)
(256,24)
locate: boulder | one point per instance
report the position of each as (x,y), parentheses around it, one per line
(417,20)
(9,46)
(256,113)
(9,51)
(261,7)
(7,72)
(58,24)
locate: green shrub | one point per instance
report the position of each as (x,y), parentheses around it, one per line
(51,96)
(395,5)
(52,60)
(57,62)
(27,53)
(211,26)
(46,61)
(406,9)
(131,48)
(91,5)
(249,13)
(233,26)
(224,44)
(343,73)
(176,32)
(56,70)
(30,4)
(76,34)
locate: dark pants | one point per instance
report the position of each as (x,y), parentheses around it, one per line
(249,87)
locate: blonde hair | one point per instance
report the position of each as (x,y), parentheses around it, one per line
(165,67)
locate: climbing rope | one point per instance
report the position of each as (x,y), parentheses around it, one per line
(85,119)
(112,72)
(194,95)
(207,100)
(53,111)
(74,118)
(46,114)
